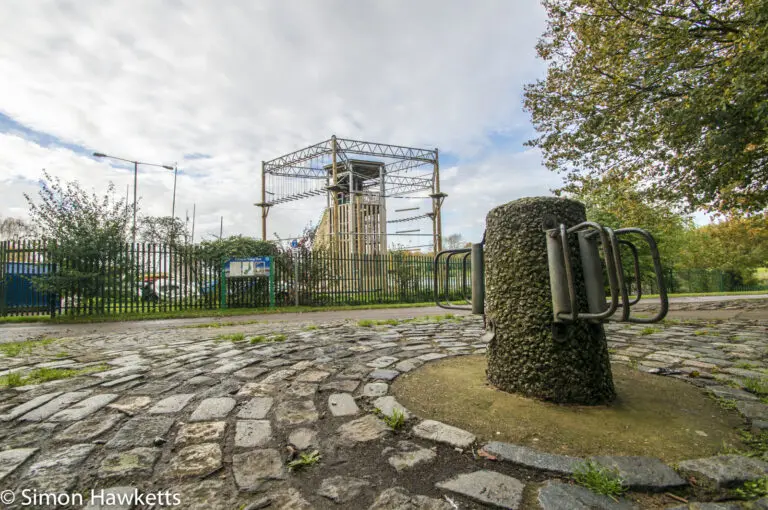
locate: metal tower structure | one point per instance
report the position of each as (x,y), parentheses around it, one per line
(357,178)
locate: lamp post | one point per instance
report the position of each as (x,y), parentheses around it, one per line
(136,182)
(173,205)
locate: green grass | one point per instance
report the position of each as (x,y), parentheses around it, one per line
(42,375)
(208,325)
(753,490)
(745,365)
(12,349)
(599,479)
(649,330)
(756,445)
(219,312)
(261,339)
(305,459)
(396,421)
(726,403)
(702,294)
(234,337)
(449,317)
(11,380)
(311,327)
(368,323)
(758,386)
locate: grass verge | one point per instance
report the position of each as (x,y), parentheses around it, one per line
(191,314)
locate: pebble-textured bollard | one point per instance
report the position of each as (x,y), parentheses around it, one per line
(524,357)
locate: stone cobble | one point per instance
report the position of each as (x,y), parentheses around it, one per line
(219,421)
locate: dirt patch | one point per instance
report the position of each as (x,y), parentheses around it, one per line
(653,415)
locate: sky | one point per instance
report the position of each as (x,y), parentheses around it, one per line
(219,87)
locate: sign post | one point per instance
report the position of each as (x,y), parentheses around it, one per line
(252,267)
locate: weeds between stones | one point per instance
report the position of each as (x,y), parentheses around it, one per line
(305,459)
(41,375)
(221,324)
(756,445)
(395,422)
(599,479)
(11,349)
(311,327)
(11,380)
(261,339)
(649,330)
(753,490)
(726,403)
(234,337)
(758,386)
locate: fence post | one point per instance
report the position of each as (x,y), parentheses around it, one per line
(296,278)
(223,287)
(270,261)
(3,267)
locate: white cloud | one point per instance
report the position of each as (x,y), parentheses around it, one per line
(248,81)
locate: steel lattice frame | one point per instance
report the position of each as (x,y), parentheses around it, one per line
(407,170)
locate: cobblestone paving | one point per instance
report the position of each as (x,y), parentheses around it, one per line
(217,421)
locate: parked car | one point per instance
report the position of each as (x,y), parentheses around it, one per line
(164,289)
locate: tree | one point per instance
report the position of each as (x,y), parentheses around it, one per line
(86,235)
(236,247)
(15,229)
(738,246)
(453,242)
(671,91)
(616,201)
(163,230)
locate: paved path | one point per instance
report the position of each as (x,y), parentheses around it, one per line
(715,307)
(215,422)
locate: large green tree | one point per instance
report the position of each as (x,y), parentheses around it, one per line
(617,202)
(672,91)
(86,234)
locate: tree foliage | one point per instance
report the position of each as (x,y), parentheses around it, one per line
(453,241)
(15,229)
(672,91)
(238,246)
(163,230)
(618,202)
(738,245)
(87,233)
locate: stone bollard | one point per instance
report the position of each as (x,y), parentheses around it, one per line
(524,356)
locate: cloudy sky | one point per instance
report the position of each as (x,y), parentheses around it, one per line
(219,87)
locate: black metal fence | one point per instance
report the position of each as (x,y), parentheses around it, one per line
(36,278)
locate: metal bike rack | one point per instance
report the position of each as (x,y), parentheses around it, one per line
(475,294)
(592,238)
(561,277)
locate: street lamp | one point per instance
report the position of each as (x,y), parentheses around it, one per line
(173,205)
(135,181)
